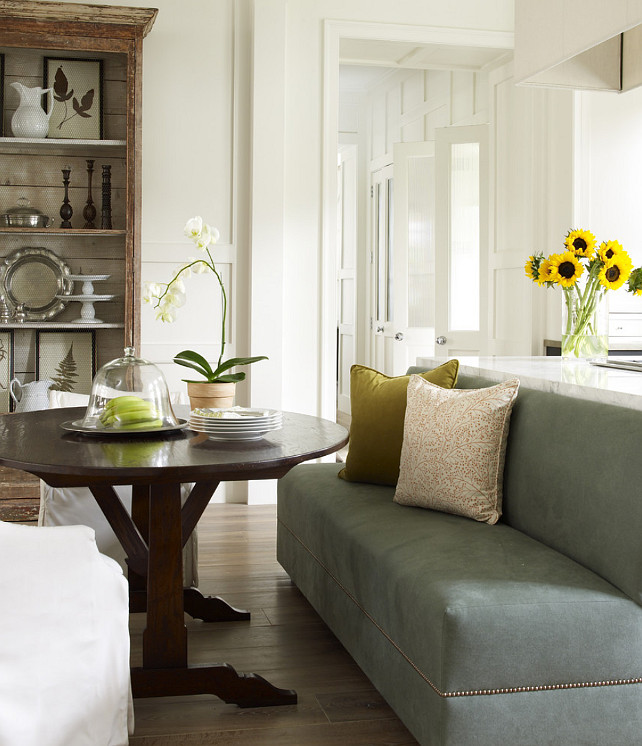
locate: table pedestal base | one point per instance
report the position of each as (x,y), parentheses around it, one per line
(198,606)
(242,689)
(153,537)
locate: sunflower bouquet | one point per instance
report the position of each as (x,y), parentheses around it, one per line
(607,268)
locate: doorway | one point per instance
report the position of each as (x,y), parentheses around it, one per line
(473,48)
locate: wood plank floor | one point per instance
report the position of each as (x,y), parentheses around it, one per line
(285,641)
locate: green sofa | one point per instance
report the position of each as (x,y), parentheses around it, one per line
(523,633)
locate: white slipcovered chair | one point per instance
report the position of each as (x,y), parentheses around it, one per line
(64,506)
(64,640)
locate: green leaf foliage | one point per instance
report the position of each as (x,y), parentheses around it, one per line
(193,360)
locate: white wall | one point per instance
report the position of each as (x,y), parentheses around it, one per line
(609,175)
(409,105)
(194,162)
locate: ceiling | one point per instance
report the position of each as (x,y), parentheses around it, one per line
(365,62)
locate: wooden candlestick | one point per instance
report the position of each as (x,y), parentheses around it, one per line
(106,206)
(66,211)
(89,212)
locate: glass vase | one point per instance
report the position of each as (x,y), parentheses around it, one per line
(585,325)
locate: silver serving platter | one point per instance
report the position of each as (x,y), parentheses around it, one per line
(36,277)
(76,426)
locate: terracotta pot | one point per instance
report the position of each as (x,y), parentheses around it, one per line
(212,395)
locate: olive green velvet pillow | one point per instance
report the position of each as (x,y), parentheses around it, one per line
(376,432)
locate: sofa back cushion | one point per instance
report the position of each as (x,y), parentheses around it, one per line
(454,444)
(572,480)
(376,432)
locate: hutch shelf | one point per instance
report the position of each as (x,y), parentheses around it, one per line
(96,154)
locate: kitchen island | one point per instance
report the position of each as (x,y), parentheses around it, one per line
(578,379)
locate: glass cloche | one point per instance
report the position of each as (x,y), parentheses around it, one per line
(129,394)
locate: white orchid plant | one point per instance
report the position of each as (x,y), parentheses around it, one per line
(166,298)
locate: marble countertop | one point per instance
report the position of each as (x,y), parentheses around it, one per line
(571,378)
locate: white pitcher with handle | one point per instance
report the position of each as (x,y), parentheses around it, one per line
(30,396)
(30,119)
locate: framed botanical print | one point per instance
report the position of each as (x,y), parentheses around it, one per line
(6,370)
(77,97)
(68,358)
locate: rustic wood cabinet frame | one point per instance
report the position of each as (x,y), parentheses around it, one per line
(89,28)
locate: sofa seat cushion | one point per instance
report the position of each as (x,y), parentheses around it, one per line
(472,607)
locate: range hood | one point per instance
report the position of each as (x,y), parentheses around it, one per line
(581,44)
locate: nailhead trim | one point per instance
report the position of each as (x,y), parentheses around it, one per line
(469,692)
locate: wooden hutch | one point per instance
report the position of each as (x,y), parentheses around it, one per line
(103,44)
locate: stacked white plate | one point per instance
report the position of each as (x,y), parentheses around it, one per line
(235,423)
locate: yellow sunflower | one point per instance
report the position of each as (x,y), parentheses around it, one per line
(609,249)
(565,269)
(615,272)
(531,268)
(545,272)
(581,243)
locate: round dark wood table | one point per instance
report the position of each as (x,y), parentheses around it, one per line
(159,526)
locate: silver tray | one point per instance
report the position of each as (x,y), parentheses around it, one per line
(35,277)
(76,426)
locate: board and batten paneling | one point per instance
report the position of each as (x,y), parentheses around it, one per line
(188,170)
(409,105)
(531,204)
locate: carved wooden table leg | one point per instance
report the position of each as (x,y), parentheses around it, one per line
(198,606)
(165,671)
(165,636)
(211,608)
(242,689)
(140,516)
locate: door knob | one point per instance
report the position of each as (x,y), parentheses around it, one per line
(398,336)
(379,330)
(441,340)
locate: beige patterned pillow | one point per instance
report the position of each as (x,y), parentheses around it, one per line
(452,457)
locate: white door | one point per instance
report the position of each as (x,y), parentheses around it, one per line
(346,270)
(461,255)
(414,253)
(402,258)
(382,271)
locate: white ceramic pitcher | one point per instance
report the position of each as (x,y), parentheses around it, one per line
(30,119)
(30,396)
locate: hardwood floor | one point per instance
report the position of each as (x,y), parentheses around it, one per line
(285,641)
